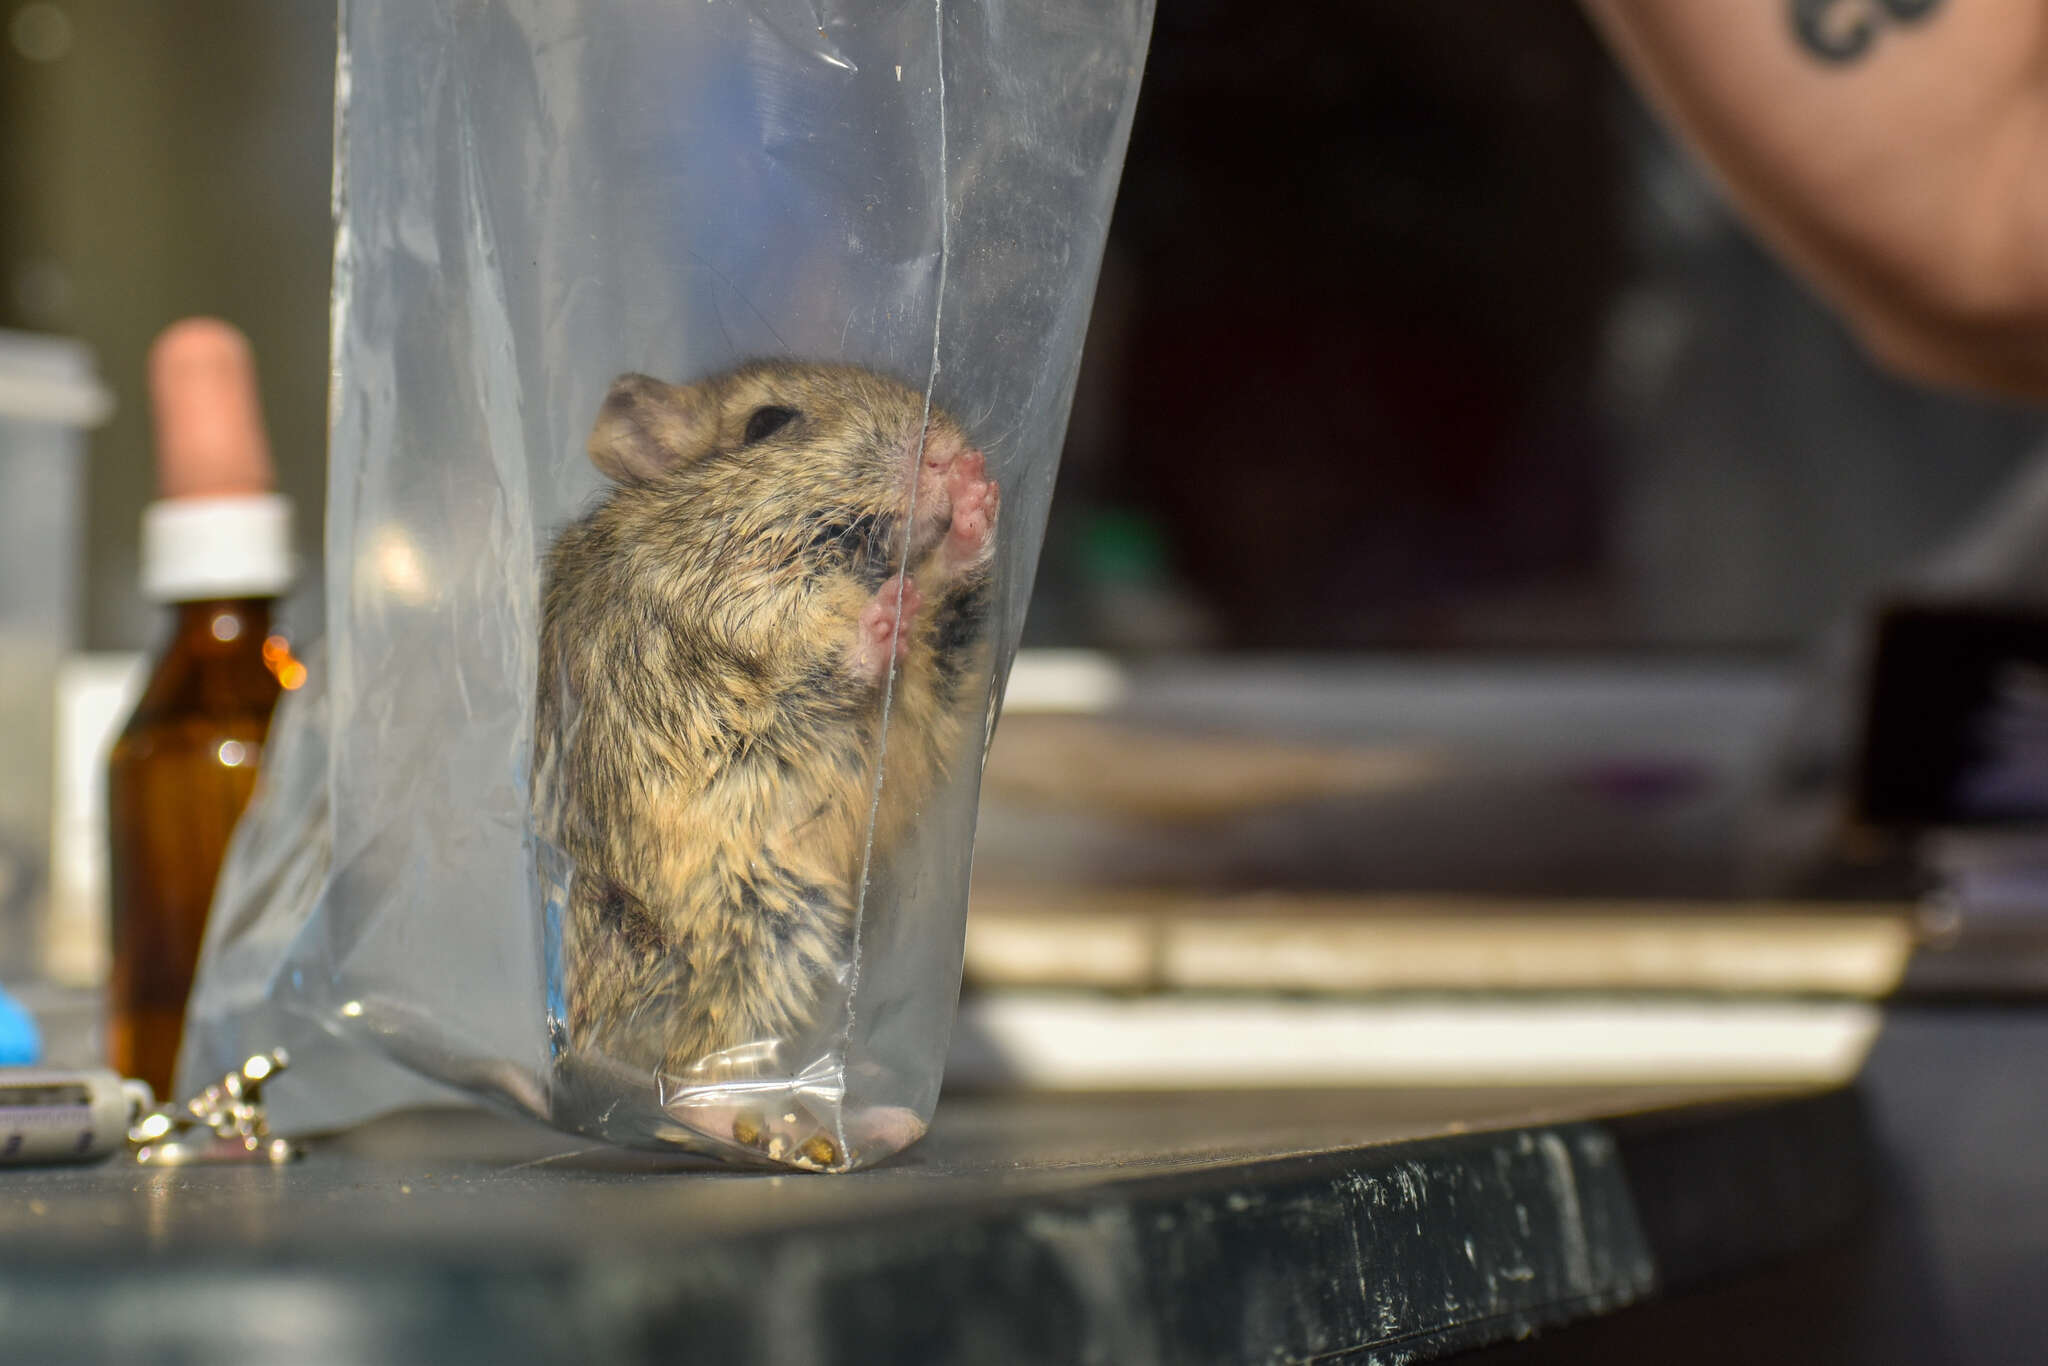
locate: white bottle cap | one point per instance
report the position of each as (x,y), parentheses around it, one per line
(230,546)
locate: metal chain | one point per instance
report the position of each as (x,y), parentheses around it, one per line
(224,1123)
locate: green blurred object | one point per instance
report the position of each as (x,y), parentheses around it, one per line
(1122,546)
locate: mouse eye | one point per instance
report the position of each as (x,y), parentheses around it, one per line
(766,422)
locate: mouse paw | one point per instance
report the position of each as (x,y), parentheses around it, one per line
(975,501)
(882,635)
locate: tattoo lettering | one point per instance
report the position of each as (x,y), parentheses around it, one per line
(1842,31)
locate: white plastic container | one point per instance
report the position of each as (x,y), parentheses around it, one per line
(49,398)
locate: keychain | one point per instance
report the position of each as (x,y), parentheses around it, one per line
(54,1114)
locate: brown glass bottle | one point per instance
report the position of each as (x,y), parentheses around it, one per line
(180,774)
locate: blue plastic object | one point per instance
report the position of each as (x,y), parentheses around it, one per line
(20,1041)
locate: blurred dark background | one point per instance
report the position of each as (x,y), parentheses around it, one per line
(1413,332)
(1417,332)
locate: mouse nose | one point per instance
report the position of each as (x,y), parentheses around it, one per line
(948,464)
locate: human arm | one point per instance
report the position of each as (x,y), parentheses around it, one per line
(1893,151)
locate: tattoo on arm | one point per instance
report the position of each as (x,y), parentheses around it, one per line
(1843,31)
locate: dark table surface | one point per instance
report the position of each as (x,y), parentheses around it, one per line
(1354,1226)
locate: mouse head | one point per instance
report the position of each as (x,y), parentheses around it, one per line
(776,444)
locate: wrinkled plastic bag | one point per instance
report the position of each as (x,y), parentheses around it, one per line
(533,200)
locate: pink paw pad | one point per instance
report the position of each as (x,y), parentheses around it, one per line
(975,499)
(884,630)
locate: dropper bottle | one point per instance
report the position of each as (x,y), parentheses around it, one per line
(216,548)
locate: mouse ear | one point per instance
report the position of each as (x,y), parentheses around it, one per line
(646,428)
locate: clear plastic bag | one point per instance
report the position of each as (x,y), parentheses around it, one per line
(639,791)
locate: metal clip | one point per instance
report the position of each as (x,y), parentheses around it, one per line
(223,1123)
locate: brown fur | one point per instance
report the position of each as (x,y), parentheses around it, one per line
(711,693)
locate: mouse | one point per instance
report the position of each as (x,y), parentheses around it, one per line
(783,554)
